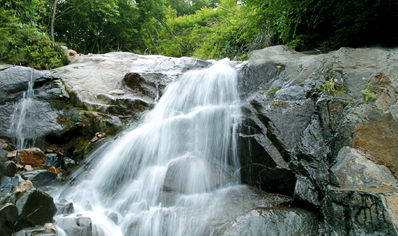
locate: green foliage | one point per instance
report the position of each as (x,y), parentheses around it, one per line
(23,41)
(330,86)
(97,26)
(329,24)
(184,7)
(369,95)
(210,33)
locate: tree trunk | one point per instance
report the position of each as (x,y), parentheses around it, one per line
(150,37)
(53,20)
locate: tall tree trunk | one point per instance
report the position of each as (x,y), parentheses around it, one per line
(53,20)
(150,37)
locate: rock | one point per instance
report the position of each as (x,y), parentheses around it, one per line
(14,82)
(254,77)
(190,168)
(5,189)
(378,138)
(359,212)
(54,170)
(40,178)
(291,93)
(279,221)
(12,155)
(69,162)
(14,181)
(24,186)
(55,160)
(27,168)
(3,154)
(354,170)
(8,217)
(50,229)
(31,156)
(64,207)
(38,230)
(7,146)
(35,208)
(79,226)
(10,169)
(309,134)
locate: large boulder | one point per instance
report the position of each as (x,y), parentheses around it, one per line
(8,217)
(32,157)
(34,208)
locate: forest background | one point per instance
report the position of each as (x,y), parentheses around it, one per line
(32,30)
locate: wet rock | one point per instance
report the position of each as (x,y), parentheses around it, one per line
(279,221)
(24,186)
(27,168)
(3,154)
(354,170)
(40,178)
(14,181)
(291,93)
(64,207)
(10,169)
(31,231)
(77,226)
(69,162)
(50,229)
(4,190)
(55,160)
(253,77)
(149,75)
(31,156)
(35,208)
(187,169)
(359,212)
(6,145)
(8,217)
(299,123)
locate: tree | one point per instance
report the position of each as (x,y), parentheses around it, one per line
(23,39)
(328,24)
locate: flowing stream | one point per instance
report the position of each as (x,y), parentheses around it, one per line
(171,174)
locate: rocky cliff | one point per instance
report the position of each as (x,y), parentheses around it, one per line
(323,129)
(320,129)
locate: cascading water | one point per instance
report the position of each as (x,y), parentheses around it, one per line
(170,175)
(23,119)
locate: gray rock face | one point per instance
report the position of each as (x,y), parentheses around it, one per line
(14,82)
(311,132)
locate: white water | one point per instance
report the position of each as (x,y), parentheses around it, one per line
(24,118)
(170,175)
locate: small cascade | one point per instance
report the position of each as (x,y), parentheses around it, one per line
(24,119)
(171,175)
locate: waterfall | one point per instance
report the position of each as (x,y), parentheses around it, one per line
(24,119)
(170,175)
